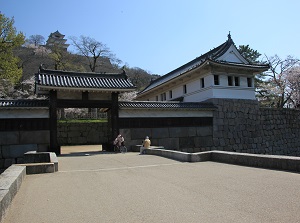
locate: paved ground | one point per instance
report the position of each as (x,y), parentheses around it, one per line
(143,188)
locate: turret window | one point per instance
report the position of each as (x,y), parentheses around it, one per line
(230,81)
(236,81)
(163,97)
(216,80)
(184,89)
(202,82)
(170,94)
(249,82)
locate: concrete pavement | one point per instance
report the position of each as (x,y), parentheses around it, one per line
(142,188)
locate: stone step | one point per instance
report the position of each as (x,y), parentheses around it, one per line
(37,168)
(36,157)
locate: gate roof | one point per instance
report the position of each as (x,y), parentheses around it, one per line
(47,80)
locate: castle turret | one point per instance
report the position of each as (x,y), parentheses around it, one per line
(57,39)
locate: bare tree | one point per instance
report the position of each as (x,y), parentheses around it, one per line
(293,80)
(276,89)
(36,40)
(93,50)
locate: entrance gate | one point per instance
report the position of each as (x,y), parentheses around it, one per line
(81,90)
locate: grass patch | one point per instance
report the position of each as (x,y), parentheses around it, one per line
(82,120)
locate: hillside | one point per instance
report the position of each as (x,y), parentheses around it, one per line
(32,58)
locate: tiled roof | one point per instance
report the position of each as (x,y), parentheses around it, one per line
(164,105)
(54,79)
(23,103)
(211,55)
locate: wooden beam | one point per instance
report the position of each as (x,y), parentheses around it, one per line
(115,115)
(54,147)
(68,103)
(85,96)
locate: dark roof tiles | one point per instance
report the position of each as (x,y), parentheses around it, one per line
(23,103)
(66,79)
(164,105)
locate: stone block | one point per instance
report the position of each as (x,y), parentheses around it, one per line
(37,168)
(141,133)
(192,131)
(160,133)
(9,162)
(186,142)
(169,143)
(205,131)
(43,147)
(92,138)
(34,137)
(15,151)
(5,201)
(179,132)
(203,141)
(33,157)
(8,138)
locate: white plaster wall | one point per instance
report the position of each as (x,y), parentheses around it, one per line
(24,113)
(178,91)
(223,80)
(234,93)
(232,55)
(200,95)
(195,93)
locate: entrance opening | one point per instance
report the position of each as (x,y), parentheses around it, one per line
(81,150)
(83,131)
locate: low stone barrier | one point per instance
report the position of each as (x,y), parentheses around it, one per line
(286,163)
(10,182)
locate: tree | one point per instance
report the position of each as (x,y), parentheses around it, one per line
(36,40)
(64,60)
(9,39)
(281,82)
(139,77)
(250,54)
(93,50)
(293,77)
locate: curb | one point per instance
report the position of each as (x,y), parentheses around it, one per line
(10,182)
(285,163)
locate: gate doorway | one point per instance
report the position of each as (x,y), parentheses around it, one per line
(81,130)
(81,90)
(81,150)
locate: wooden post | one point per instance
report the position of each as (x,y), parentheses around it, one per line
(54,147)
(115,115)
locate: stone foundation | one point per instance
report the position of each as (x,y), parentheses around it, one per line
(83,133)
(241,126)
(188,139)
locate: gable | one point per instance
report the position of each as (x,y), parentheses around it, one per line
(232,55)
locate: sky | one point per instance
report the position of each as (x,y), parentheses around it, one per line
(161,35)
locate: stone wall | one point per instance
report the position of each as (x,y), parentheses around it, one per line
(241,126)
(83,133)
(13,145)
(187,139)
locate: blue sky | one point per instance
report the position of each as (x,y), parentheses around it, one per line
(161,35)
